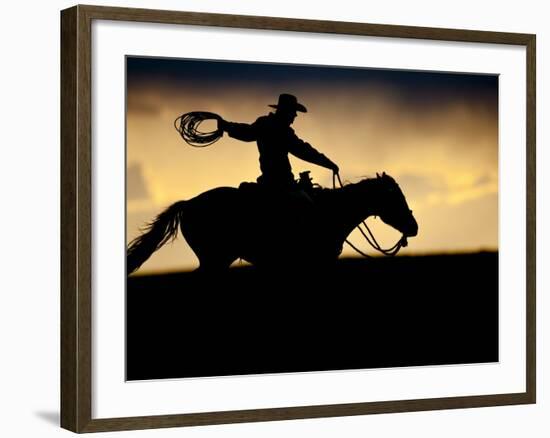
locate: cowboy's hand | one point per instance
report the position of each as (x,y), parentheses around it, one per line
(221,124)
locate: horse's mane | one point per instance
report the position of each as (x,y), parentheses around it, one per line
(347,186)
(351,190)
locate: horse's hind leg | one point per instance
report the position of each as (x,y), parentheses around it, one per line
(211,258)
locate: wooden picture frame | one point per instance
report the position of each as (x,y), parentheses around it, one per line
(76,218)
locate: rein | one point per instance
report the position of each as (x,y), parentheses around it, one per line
(371,240)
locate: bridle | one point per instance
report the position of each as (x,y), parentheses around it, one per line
(370,237)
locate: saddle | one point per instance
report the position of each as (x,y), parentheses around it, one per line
(292,203)
(289,218)
(303,184)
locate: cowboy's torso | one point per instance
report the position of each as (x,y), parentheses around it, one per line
(274,139)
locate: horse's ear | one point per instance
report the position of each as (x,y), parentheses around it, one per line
(377,175)
(383,173)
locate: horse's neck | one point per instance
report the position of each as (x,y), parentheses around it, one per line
(352,205)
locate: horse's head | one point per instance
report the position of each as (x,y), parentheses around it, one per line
(393,207)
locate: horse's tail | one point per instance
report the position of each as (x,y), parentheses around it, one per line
(160,231)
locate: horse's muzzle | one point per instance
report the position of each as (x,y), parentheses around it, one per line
(412,230)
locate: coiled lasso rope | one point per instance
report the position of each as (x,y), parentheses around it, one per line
(188,127)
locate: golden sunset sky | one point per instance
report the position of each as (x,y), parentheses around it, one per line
(435,133)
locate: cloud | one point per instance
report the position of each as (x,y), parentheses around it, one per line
(142,105)
(442,152)
(136,189)
(483,180)
(468,225)
(421,186)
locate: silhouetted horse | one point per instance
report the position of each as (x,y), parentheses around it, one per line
(225,224)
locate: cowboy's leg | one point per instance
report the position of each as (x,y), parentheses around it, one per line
(302,210)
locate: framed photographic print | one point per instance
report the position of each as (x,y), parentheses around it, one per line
(268,219)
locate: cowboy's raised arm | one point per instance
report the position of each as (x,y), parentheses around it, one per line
(306,152)
(240,131)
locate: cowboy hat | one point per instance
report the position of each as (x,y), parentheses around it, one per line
(288,102)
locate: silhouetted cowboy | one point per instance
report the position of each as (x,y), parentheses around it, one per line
(276,139)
